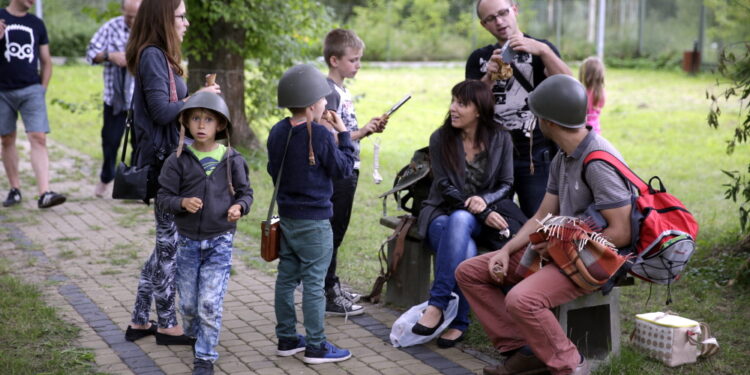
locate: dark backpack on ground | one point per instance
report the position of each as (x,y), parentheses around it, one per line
(412,183)
(663,230)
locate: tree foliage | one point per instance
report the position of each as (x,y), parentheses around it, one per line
(737,70)
(268,36)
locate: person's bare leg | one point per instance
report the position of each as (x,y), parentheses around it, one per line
(451,334)
(39,160)
(431,316)
(10,159)
(172,331)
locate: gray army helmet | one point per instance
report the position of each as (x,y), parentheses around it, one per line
(560,99)
(301,86)
(210,101)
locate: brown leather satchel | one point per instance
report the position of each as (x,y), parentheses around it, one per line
(270,229)
(270,239)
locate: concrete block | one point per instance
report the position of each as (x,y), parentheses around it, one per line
(592,322)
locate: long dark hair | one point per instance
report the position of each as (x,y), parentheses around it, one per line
(478,93)
(154,25)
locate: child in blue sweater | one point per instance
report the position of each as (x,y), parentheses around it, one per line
(313,160)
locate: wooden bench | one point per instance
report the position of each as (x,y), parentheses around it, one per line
(592,321)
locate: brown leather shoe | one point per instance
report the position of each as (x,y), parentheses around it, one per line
(518,364)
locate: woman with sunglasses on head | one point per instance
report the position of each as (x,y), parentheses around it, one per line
(153,57)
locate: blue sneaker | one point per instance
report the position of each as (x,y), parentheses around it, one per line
(325,353)
(289,347)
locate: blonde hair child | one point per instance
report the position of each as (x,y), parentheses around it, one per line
(591,74)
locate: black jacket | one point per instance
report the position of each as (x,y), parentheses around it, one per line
(446,195)
(184,177)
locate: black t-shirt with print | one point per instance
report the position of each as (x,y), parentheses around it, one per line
(19,50)
(511,109)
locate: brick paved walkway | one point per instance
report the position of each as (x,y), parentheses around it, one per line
(86,256)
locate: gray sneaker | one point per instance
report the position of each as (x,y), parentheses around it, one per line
(354,297)
(14,197)
(338,305)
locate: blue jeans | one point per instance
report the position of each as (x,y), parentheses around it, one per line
(531,188)
(305,254)
(451,237)
(112,129)
(202,275)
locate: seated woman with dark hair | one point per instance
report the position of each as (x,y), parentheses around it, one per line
(472,166)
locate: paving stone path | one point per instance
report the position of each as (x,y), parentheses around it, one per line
(86,256)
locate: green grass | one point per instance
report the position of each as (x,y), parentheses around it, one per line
(657,119)
(34,339)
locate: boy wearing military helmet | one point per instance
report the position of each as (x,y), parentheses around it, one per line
(311,160)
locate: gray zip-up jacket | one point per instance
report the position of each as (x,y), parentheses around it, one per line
(184,177)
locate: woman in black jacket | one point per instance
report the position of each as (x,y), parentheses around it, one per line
(472,167)
(153,56)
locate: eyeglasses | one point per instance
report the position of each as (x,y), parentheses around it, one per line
(492,18)
(183,17)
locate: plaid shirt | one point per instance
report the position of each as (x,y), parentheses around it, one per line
(112,37)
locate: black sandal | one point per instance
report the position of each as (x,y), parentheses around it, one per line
(132,334)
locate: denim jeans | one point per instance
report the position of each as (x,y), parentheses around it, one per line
(451,237)
(112,130)
(202,276)
(529,187)
(305,254)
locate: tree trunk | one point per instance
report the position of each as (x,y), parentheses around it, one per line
(230,75)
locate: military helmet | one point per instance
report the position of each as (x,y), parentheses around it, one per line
(560,99)
(301,86)
(210,101)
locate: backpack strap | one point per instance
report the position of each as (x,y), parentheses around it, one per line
(399,235)
(618,165)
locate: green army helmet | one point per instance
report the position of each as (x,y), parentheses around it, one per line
(207,100)
(301,86)
(560,99)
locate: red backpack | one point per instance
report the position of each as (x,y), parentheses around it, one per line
(663,230)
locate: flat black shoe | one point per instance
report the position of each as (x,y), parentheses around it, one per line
(164,339)
(421,330)
(447,343)
(132,334)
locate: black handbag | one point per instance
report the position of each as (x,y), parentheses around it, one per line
(131,182)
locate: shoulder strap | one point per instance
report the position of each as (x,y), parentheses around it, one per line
(521,79)
(128,129)
(399,234)
(621,168)
(278,179)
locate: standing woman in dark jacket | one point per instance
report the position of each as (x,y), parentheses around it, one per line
(153,56)
(472,167)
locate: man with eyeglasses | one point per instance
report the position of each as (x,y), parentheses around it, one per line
(107,47)
(529,62)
